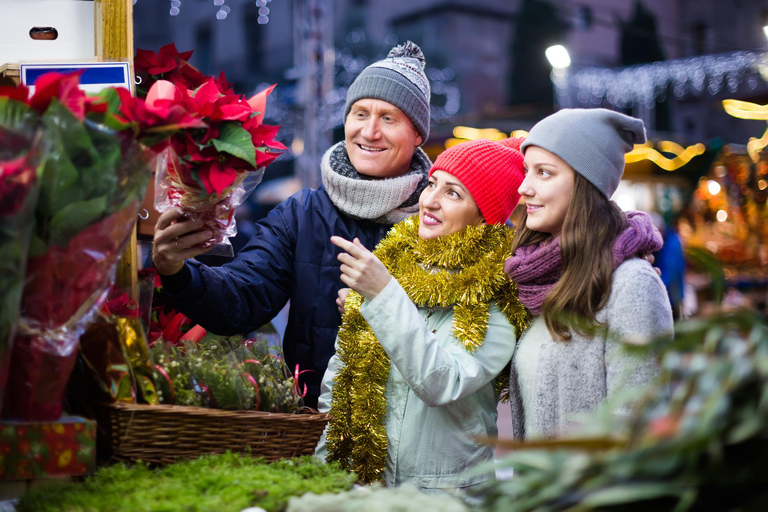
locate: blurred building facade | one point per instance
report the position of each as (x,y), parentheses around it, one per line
(485,57)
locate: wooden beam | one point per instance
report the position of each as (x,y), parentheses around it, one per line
(114,30)
(114,42)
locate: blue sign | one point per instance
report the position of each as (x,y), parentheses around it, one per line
(96,75)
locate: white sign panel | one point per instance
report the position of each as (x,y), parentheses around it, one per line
(96,75)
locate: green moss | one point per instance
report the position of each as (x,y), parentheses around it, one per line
(227,482)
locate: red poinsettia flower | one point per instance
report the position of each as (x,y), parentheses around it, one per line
(16,178)
(161,62)
(224,86)
(18,93)
(186,75)
(159,115)
(121,305)
(64,87)
(213,171)
(258,102)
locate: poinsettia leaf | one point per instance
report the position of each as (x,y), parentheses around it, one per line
(111,98)
(59,187)
(71,131)
(37,246)
(14,113)
(105,155)
(236,141)
(75,217)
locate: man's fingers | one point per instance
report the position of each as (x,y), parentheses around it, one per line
(167,218)
(177,230)
(188,241)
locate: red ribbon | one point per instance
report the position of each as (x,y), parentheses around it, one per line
(296,374)
(255,385)
(210,396)
(170,383)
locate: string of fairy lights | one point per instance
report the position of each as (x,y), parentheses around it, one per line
(223,10)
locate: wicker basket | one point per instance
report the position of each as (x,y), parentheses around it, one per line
(162,434)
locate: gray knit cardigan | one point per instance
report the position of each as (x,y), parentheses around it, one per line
(573,378)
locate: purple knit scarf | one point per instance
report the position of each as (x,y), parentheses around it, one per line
(536,268)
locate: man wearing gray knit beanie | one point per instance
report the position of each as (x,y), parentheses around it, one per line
(371,180)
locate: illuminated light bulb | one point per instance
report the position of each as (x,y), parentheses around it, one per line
(762,184)
(558,56)
(713,187)
(721,215)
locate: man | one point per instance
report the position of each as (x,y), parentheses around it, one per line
(371,180)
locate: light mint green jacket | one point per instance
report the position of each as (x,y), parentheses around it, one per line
(440,397)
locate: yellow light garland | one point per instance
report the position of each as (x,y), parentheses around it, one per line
(754,112)
(682,156)
(469,276)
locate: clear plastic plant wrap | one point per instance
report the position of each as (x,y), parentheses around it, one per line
(211,167)
(175,188)
(93,181)
(21,153)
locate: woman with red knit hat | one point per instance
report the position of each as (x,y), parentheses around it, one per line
(429,326)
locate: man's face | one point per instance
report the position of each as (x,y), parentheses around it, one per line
(380,138)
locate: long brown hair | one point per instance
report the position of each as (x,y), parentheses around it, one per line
(590,228)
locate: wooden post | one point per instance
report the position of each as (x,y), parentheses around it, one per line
(114,42)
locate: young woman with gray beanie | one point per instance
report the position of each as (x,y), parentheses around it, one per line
(573,260)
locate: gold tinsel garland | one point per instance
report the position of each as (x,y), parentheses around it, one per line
(464,271)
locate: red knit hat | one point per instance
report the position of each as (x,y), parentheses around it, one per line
(491,171)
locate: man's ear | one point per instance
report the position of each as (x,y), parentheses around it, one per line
(419,140)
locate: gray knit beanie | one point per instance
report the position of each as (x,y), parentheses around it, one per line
(400,80)
(592,141)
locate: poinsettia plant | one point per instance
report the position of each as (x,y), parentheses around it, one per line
(94,178)
(21,152)
(207,170)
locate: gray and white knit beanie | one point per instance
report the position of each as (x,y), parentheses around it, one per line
(400,80)
(592,141)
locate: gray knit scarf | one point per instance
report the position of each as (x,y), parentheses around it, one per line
(386,201)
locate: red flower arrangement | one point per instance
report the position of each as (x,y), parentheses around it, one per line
(89,193)
(21,153)
(209,168)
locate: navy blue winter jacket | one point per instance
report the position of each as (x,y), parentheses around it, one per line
(289,257)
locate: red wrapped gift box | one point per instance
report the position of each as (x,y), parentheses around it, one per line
(66,447)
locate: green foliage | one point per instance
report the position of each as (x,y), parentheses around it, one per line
(223,373)
(17,214)
(226,482)
(235,140)
(699,443)
(704,260)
